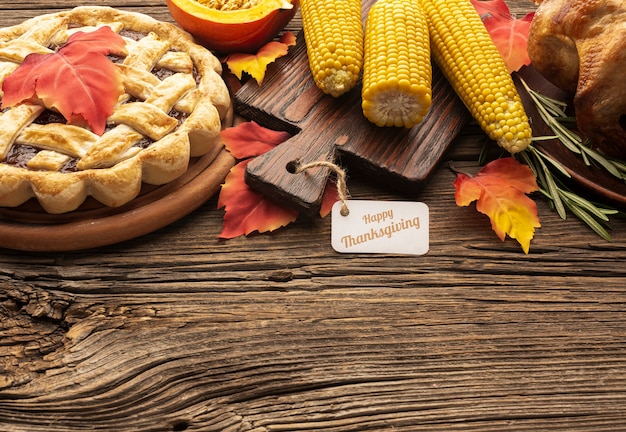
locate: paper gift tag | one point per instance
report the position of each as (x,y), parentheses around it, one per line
(400,227)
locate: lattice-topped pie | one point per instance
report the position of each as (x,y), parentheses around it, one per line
(172,109)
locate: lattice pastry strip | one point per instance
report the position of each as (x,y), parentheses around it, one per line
(140,84)
(73,141)
(12,123)
(173,109)
(176,61)
(137,82)
(62,36)
(47,31)
(145,118)
(145,53)
(17,52)
(113,146)
(48,160)
(171,90)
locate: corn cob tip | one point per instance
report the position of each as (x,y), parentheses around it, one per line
(396,107)
(337,82)
(507,125)
(514,145)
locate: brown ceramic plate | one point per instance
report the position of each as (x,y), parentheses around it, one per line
(599,182)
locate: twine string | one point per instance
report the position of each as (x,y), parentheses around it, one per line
(342,185)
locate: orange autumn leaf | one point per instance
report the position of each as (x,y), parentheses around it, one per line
(508,33)
(499,190)
(256,64)
(78,80)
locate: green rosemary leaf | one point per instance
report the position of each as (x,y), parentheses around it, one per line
(553,114)
(554,106)
(608,211)
(620,165)
(544,138)
(547,181)
(585,158)
(602,161)
(591,222)
(554,191)
(554,163)
(581,202)
(566,136)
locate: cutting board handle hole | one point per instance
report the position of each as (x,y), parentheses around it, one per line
(292,167)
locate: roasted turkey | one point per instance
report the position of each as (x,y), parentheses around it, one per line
(580,46)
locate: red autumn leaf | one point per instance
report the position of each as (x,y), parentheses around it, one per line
(78,80)
(508,33)
(331,196)
(491,7)
(256,64)
(246,210)
(249,139)
(499,190)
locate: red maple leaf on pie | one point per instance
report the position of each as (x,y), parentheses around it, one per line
(246,210)
(499,190)
(78,80)
(508,33)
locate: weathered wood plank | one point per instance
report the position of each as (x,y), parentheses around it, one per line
(402,358)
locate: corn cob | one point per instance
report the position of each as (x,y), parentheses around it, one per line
(397,72)
(333,30)
(469,59)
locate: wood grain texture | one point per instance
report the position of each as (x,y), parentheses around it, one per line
(180,331)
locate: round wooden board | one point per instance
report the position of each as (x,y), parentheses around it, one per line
(92,225)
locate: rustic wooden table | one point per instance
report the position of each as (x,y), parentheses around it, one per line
(177,330)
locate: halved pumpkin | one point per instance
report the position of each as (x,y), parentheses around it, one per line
(239,30)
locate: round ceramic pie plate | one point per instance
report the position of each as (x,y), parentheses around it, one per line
(29,228)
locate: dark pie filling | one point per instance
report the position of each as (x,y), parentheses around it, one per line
(20,155)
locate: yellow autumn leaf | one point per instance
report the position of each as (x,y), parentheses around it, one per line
(255,65)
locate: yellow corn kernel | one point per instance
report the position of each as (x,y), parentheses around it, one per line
(333,31)
(469,59)
(397,73)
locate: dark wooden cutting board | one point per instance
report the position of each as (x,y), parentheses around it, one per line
(331,129)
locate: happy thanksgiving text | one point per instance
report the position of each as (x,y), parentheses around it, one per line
(389,228)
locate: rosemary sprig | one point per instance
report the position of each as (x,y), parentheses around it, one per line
(552,112)
(550,174)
